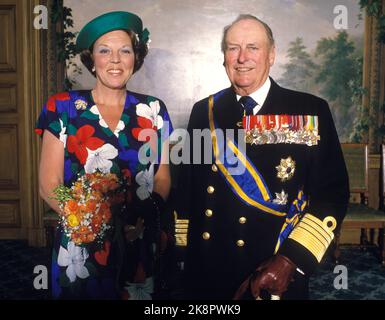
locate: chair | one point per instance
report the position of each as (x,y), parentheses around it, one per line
(359,214)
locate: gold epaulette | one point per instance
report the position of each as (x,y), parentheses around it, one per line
(314,234)
(181,229)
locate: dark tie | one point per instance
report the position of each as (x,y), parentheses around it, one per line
(248,103)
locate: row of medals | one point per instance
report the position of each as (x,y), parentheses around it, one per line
(282,135)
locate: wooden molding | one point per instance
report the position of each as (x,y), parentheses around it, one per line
(34,97)
(374,161)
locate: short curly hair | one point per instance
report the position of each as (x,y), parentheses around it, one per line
(140,51)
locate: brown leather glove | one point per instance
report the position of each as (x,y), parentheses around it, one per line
(273,276)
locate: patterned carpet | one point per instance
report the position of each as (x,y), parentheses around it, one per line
(17,263)
(366,276)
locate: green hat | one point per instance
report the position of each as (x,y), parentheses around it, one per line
(116,20)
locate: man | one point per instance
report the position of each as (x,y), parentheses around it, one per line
(260,234)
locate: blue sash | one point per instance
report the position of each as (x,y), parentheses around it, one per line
(250,186)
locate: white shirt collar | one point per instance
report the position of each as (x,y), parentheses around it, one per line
(260,95)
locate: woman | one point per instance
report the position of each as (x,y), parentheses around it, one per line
(100,130)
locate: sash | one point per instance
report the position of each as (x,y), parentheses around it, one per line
(250,186)
(295,212)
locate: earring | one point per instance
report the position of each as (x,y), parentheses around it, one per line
(93,69)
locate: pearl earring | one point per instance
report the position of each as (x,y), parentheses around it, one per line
(93,69)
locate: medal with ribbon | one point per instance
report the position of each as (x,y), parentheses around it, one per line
(281,128)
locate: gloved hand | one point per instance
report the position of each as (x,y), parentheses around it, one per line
(273,276)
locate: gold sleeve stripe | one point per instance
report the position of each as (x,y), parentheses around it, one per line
(181,230)
(314,234)
(316,231)
(315,248)
(181,240)
(320,226)
(312,240)
(182,221)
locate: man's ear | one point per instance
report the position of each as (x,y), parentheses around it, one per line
(272,55)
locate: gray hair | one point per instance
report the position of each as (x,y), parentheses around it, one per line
(241,17)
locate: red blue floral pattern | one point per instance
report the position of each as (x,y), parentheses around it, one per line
(89,144)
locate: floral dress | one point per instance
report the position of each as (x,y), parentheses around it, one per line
(107,270)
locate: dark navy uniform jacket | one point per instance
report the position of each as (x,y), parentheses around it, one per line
(228,242)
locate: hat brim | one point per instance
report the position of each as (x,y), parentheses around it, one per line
(116,20)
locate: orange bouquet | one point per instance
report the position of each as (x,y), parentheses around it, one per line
(86,206)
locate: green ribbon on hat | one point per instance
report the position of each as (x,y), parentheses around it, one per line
(116,20)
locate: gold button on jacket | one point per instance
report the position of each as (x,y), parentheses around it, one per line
(209,212)
(240,243)
(206,235)
(242,220)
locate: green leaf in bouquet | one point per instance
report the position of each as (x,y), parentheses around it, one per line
(62,193)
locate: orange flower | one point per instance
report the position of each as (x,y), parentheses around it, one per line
(72,205)
(78,188)
(97,220)
(83,209)
(85,235)
(105,211)
(97,186)
(90,237)
(67,211)
(91,205)
(107,214)
(95,229)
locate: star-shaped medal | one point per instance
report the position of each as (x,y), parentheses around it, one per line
(280,198)
(286,169)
